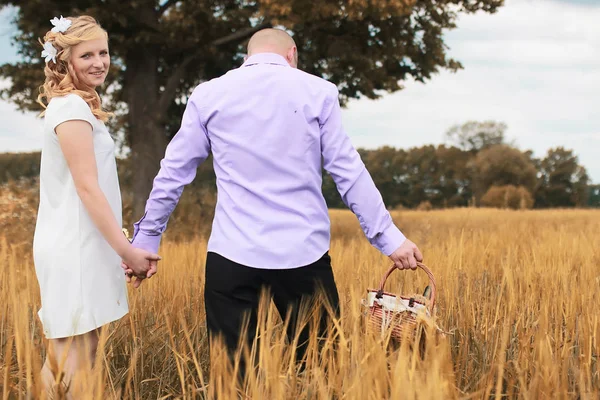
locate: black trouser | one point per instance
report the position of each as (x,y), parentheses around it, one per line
(232,294)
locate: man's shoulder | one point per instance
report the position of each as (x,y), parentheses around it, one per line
(213,83)
(210,82)
(314,79)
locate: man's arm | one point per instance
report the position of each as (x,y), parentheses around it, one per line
(358,191)
(186,151)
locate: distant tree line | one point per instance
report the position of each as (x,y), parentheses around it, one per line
(476,168)
(498,176)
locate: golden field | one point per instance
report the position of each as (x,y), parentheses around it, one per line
(518,291)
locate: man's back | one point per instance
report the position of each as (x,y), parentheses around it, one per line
(263,121)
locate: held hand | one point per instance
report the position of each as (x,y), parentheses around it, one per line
(139,279)
(406,256)
(140,263)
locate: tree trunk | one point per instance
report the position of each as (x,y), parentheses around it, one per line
(147,137)
(148,109)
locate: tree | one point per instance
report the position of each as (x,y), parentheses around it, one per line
(508,196)
(563,182)
(594,196)
(19,166)
(420,174)
(455,180)
(161,49)
(387,166)
(502,165)
(475,136)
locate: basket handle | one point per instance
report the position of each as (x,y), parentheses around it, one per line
(424,268)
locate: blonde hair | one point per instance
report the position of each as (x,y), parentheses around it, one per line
(59,81)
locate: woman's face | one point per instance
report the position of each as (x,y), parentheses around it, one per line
(90,61)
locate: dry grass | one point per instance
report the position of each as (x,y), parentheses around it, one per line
(519,291)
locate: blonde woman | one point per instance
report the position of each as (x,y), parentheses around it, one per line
(79,244)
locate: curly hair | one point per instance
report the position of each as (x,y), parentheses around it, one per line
(59,80)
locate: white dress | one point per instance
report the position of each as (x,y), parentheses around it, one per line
(81,281)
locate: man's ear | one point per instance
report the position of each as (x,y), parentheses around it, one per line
(292,57)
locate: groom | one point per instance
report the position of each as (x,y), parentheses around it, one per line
(271,128)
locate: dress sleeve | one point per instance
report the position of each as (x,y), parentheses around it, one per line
(72,107)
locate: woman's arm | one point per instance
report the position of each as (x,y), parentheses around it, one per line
(76,142)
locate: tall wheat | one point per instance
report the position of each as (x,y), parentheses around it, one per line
(518,295)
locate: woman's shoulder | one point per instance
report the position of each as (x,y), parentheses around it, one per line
(69,106)
(67,100)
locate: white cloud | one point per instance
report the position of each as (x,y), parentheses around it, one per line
(532,65)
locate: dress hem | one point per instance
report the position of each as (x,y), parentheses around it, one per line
(84,329)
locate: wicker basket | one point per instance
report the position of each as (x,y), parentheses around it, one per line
(398,313)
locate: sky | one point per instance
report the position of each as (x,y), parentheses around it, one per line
(534,65)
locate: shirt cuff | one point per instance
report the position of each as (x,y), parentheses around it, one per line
(389,240)
(146,242)
(143,240)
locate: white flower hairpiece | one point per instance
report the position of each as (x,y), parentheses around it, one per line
(49,52)
(60,25)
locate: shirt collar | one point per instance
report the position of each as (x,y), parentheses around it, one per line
(265,58)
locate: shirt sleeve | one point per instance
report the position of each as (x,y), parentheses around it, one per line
(353,181)
(186,151)
(70,108)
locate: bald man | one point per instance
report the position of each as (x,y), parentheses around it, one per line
(274,41)
(271,128)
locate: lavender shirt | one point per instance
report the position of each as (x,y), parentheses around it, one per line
(271,129)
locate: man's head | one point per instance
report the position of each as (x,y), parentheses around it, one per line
(273,40)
